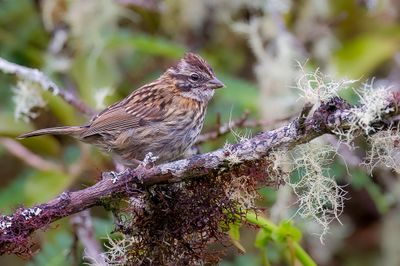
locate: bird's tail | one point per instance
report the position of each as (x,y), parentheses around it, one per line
(68,130)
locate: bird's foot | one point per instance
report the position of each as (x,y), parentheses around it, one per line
(147,163)
(140,172)
(149,160)
(115,176)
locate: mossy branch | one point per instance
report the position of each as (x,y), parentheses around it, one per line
(36,76)
(330,116)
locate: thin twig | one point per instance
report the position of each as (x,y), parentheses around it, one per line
(151,5)
(218,123)
(303,115)
(31,159)
(242,122)
(16,228)
(82,223)
(38,77)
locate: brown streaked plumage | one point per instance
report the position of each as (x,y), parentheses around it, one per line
(163,117)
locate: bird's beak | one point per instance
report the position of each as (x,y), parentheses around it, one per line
(216,84)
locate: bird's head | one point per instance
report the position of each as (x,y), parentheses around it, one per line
(194,78)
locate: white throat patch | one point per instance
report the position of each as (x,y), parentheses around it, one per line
(201,95)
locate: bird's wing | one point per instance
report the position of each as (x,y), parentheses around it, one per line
(145,105)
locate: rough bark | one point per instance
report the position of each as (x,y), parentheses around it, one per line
(335,114)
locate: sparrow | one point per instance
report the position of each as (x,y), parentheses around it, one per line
(163,117)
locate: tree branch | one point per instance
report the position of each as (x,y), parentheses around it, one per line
(16,228)
(38,77)
(82,223)
(242,122)
(35,161)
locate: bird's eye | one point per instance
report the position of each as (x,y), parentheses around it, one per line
(194,77)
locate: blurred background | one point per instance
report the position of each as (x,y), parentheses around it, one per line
(101,50)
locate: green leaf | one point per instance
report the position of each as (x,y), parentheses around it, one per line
(234,233)
(286,230)
(267,225)
(262,238)
(361,55)
(262,222)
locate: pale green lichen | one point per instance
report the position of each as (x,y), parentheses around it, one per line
(315,87)
(320,198)
(373,102)
(117,250)
(27,99)
(100,96)
(384,151)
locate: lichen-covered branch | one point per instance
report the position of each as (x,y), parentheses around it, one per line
(242,122)
(38,77)
(327,118)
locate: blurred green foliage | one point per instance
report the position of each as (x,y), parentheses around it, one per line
(114,48)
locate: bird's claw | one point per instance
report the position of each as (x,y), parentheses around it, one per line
(147,163)
(140,172)
(149,160)
(115,176)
